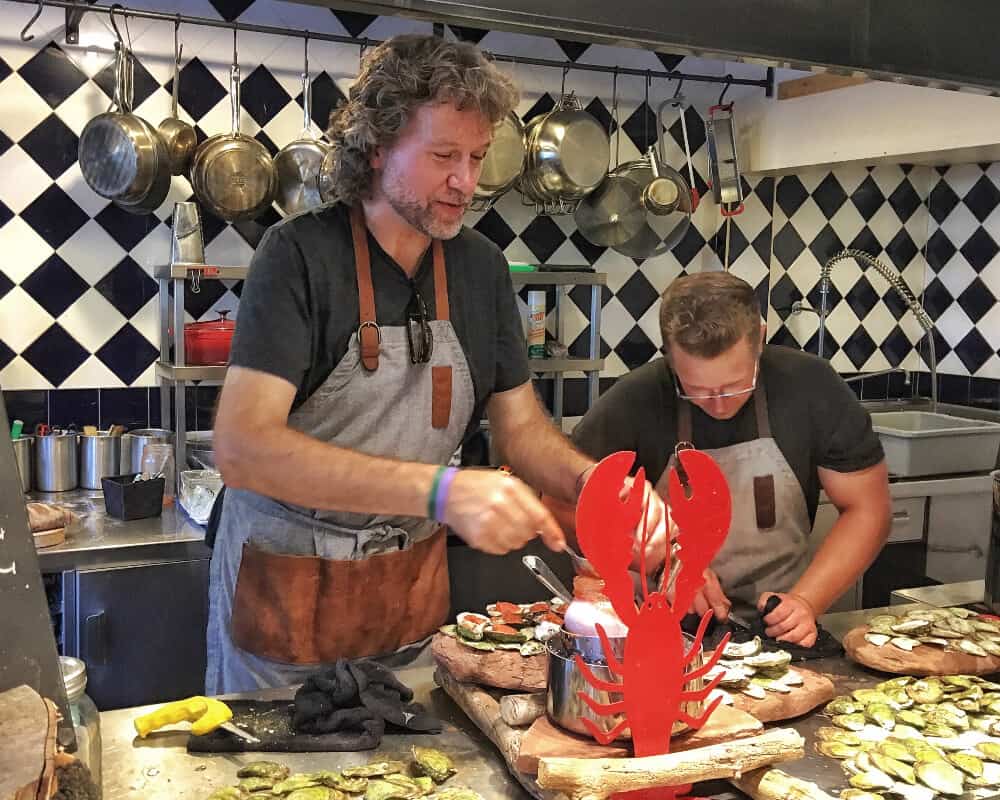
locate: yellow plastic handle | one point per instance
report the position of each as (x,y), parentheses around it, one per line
(205,714)
(217,713)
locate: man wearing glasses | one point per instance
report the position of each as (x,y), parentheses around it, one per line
(782,425)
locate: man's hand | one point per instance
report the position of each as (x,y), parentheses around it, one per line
(711,596)
(792,621)
(661,531)
(496,513)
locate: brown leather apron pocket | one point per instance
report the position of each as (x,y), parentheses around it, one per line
(764,502)
(310,610)
(440,396)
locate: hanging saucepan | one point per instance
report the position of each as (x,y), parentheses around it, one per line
(178,137)
(568,155)
(232,174)
(503,163)
(659,232)
(297,164)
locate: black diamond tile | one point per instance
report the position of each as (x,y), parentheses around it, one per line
(942,201)
(5,143)
(588,249)
(866,241)
(896,346)
(237,288)
(695,128)
(689,246)
(580,295)
(982,198)
(326,96)
(830,346)
(199,91)
(6,284)
(895,304)
(355,22)
(52,145)
(211,226)
(573,50)
(791,194)
(859,347)
(940,249)
(868,198)
(52,74)
(765,191)
(815,296)
(230,10)
(669,60)
(974,350)
(782,336)
(599,111)
(543,237)
(262,96)
(128,353)
(197,304)
(580,346)
(862,297)
(493,227)
(54,216)
(635,349)
(784,294)
(253,230)
(941,346)
(6,215)
(762,244)
(979,250)
(637,294)
(55,354)
(829,195)
(640,127)
(976,300)
(936,299)
(737,242)
(826,244)
(126,229)
(5,69)
(901,249)
(127,287)
(55,285)
(266,140)
(143,86)
(465,33)
(6,356)
(788,245)
(543,105)
(904,200)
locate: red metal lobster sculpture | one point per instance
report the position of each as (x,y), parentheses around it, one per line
(654,668)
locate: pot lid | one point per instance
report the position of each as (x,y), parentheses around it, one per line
(220,324)
(659,233)
(505,158)
(613,213)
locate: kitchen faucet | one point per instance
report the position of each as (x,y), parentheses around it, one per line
(899,285)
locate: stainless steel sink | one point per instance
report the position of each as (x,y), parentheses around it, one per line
(925,443)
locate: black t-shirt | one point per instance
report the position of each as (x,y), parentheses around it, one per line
(299,306)
(816,420)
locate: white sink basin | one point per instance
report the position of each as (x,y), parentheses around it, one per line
(927,443)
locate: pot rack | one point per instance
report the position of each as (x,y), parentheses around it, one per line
(76,10)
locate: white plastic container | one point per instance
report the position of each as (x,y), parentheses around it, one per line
(925,443)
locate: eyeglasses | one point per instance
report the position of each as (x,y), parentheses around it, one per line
(419,335)
(719,395)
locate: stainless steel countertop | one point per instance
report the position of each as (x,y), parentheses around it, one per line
(160,767)
(101,539)
(947,594)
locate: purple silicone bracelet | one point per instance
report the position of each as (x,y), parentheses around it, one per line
(441,496)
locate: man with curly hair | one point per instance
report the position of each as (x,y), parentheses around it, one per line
(373,334)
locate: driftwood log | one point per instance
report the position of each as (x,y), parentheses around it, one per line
(522,709)
(773,784)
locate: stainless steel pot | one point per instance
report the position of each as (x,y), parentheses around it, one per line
(179,138)
(503,163)
(566,682)
(198,450)
(56,468)
(298,163)
(24,448)
(100,456)
(134,442)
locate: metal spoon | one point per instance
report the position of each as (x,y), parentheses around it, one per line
(545,576)
(580,564)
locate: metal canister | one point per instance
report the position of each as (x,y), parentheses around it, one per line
(24,447)
(100,456)
(56,468)
(134,442)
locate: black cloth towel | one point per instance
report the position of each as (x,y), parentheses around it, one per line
(343,709)
(826,645)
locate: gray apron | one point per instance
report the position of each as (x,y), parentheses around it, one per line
(382,407)
(766,550)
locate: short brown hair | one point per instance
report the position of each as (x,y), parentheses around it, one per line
(396,77)
(707,313)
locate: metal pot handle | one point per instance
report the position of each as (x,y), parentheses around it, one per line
(178,52)
(678,101)
(117,103)
(306,92)
(234,93)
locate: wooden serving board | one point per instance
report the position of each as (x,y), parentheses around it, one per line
(815,690)
(923,660)
(503,669)
(48,538)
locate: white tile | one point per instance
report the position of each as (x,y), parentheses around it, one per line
(808,220)
(811,178)
(989,326)
(82,106)
(991,369)
(286,126)
(21,109)
(47,27)
(956,275)
(879,323)
(960,224)
(153,250)
(514,211)
(847,223)
(156,107)
(21,250)
(884,224)
(616,322)
(661,271)
(841,363)
(228,248)
(147,378)
(850,177)
(23,180)
(72,182)
(876,361)
(91,252)
(953,324)
(840,323)
(567,253)
(803,326)
(92,320)
(991,276)
(962,177)
(650,325)
(614,367)
(805,272)
(19,374)
(92,374)
(385,27)
(888,177)
(22,320)
(951,364)
(180,190)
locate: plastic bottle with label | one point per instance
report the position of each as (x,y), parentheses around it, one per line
(86,718)
(591,607)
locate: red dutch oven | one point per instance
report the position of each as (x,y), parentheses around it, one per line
(207,343)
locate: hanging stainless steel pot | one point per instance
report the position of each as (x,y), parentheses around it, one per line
(503,163)
(179,138)
(659,232)
(720,132)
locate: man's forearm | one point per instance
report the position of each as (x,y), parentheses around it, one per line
(849,548)
(544,458)
(295,468)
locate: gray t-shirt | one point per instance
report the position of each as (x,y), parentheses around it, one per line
(816,420)
(299,305)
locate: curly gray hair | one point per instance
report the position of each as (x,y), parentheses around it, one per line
(396,77)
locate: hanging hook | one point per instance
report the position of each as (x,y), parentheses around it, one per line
(178,47)
(25,36)
(614,118)
(235,29)
(646,112)
(305,53)
(565,72)
(677,91)
(114,23)
(722,96)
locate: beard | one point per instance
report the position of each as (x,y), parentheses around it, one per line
(420,214)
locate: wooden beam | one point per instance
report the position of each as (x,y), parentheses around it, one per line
(815,84)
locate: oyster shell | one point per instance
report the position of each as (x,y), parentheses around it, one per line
(911,627)
(859,794)
(925,691)
(532,648)
(433,763)
(836,749)
(374,769)
(264,769)
(893,767)
(770,662)
(968,646)
(896,750)
(968,763)
(866,696)
(871,779)
(226,793)
(770,684)
(449,630)
(851,722)
(742,649)
(990,750)
(881,714)
(300,780)
(255,784)
(940,776)
(456,793)
(424,783)
(314,793)
(344,784)
(379,789)
(958,611)
(909,716)
(904,642)
(754,691)
(828,734)
(877,639)
(842,705)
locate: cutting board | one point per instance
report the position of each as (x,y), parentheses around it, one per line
(922,660)
(815,690)
(544,739)
(503,669)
